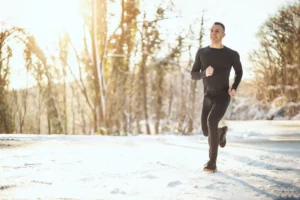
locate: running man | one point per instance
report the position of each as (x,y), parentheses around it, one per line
(213,65)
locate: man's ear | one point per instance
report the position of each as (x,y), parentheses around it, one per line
(224,35)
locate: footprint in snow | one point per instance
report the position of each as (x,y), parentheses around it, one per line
(150,177)
(210,186)
(174,184)
(215,186)
(117,191)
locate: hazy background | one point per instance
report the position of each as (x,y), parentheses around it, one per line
(118,67)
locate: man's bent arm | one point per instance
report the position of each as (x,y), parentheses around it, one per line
(196,72)
(237,66)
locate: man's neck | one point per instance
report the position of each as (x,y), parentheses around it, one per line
(217,45)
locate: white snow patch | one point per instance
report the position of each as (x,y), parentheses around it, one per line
(260,161)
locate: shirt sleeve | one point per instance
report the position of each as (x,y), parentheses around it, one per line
(197,73)
(237,66)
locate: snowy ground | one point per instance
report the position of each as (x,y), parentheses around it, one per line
(261,161)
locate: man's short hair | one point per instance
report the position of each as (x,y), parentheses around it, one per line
(219,23)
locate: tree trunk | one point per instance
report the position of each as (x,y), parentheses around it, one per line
(144,85)
(159,99)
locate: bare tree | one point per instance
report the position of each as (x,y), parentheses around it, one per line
(54,120)
(6,121)
(63,56)
(278,57)
(194,83)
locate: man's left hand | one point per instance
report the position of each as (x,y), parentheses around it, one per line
(231,92)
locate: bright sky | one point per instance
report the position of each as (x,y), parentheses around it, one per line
(45,17)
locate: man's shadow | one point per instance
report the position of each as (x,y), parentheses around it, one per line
(289,191)
(264,165)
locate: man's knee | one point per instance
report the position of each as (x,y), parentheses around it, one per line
(212,122)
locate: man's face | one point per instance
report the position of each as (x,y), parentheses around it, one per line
(216,33)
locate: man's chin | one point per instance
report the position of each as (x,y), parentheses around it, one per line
(214,41)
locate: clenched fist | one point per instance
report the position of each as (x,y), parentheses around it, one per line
(231,92)
(209,71)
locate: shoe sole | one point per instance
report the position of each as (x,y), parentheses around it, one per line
(210,170)
(223,144)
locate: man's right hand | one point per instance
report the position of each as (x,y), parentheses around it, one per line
(209,71)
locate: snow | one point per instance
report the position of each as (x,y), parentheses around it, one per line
(260,161)
(249,108)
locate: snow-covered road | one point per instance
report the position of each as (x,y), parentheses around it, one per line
(254,165)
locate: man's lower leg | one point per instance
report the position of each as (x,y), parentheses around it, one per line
(222,134)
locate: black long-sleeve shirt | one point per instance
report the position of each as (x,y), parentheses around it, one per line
(222,60)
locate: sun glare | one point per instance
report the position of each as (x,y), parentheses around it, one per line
(53,14)
(46,18)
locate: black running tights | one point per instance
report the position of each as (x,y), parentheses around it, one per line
(213,110)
